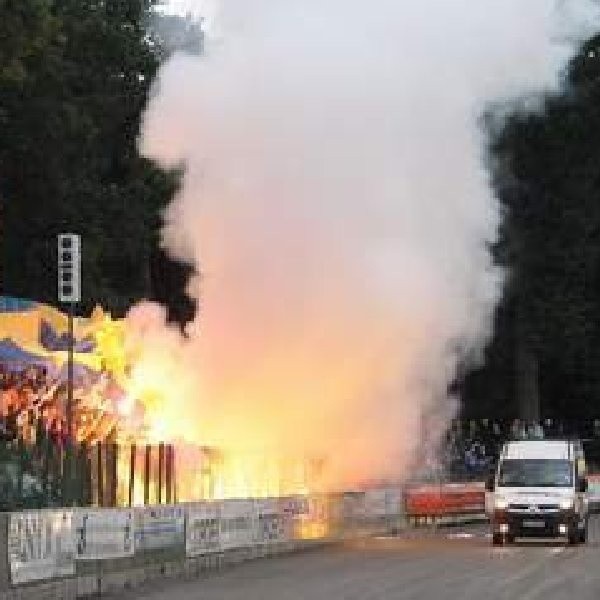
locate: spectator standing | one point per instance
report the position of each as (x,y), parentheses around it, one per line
(12,428)
(517,430)
(535,431)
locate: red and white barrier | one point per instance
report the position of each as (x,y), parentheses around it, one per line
(445,503)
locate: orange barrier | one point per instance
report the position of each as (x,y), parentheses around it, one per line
(445,499)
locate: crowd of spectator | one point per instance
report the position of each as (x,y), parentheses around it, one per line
(472,447)
(32,405)
(34,433)
(33,408)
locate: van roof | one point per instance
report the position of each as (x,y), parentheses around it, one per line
(553,449)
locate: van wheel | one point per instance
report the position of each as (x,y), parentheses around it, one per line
(497,539)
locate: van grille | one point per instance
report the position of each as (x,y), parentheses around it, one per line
(537,507)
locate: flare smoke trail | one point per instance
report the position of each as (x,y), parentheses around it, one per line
(337,203)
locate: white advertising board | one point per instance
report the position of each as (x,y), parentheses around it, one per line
(202,532)
(40,545)
(294,505)
(375,503)
(159,527)
(272,523)
(395,501)
(238,524)
(353,504)
(103,533)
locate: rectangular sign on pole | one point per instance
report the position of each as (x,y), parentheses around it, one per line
(40,545)
(69,268)
(103,533)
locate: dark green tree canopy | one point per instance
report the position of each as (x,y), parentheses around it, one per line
(74,79)
(546,168)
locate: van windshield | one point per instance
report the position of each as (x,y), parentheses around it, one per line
(539,472)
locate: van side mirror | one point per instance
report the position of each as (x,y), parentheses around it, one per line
(490,482)
(582,485)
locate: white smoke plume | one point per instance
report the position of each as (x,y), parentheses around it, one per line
(337,204)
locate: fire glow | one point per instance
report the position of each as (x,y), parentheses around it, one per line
(337,206)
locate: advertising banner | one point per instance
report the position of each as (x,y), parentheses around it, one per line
(383,502)
(376,503)
(445,499)
(202,533)
(40,545)
(317,520)
(159,527)
(272,523)
(353,506)
(294,505)
(238,524)
(394,501)
(104,533)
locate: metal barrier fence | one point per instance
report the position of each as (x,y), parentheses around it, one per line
(46,474)
(78,552)
(84,551)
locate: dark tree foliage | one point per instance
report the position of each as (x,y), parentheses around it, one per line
(169,278)
(74,78)
(547,174)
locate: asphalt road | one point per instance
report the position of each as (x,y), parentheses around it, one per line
(457,564)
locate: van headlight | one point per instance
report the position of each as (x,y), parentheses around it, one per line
(566,504)
(500,503)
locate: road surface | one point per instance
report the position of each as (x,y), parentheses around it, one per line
(453,564)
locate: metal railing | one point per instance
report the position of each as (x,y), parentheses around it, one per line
(46,474)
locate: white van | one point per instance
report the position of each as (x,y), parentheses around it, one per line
(538,490)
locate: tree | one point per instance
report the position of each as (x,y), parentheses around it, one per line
(74,81)
(547,175)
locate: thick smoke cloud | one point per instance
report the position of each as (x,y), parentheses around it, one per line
(337,204)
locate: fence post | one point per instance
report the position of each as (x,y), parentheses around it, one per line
(100,474)
(174,475)
(44,446)
(85,475)
(161,460)
(114,482)
(168,474)
(21,460)
(132,456)
(148,450)
(76,479)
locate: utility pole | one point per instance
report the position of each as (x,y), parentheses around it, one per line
(69,293)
